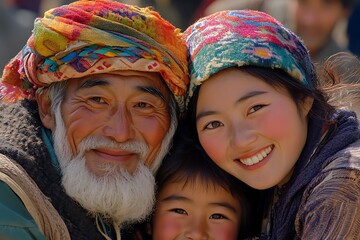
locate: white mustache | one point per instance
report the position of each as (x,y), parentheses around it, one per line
(93,142)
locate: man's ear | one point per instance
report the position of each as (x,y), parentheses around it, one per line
(45,113)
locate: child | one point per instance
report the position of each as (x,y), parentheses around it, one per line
(198,200)
(260,113)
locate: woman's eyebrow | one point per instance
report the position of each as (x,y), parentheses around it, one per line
(241,99)
(204,114)
(250,95)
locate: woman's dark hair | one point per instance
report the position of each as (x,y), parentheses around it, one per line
(187,162)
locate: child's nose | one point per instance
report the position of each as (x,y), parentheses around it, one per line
(197,230)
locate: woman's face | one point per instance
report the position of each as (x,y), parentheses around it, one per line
(250,129)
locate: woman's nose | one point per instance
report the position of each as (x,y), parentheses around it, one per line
(242,135)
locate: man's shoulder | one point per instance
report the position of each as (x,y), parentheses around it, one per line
(12,207)
(28,209)
(15,220)
(24,113)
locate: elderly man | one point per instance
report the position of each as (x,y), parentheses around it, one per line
(95,98)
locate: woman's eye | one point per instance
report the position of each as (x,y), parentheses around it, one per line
(256,108)
(213,125)
(179,211)
(217,216)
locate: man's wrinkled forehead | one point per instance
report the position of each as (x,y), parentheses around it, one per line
(156,86)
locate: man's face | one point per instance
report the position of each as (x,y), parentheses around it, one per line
(110,134)
(315,21)
(121,109)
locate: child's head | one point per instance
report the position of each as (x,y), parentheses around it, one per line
(195,198)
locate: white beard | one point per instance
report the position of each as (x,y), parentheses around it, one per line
(118,195)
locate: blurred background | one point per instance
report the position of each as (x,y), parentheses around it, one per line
(326,26)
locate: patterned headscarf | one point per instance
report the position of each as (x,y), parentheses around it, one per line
(244,38)
(97,36)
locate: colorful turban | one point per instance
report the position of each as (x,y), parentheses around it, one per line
(244,38)
(89,37)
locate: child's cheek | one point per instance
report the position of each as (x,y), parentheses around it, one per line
(225,232)
(166,227)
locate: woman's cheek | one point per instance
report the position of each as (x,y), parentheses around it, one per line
(214,147)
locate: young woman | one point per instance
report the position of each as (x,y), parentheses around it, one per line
(258,109)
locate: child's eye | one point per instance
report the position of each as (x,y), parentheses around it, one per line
(213,125)
(217,216)
(256,108)
(179,211)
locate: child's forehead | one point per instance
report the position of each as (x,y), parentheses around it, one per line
(197,183)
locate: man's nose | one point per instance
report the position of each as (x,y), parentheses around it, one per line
(119,126)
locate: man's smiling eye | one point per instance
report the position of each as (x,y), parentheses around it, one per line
(142,105)
(97,99)
(213,125)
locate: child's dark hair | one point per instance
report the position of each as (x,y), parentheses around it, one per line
(187,162)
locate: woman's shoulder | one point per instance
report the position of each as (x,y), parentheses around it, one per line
(346,158)
(330,203)
(338,179)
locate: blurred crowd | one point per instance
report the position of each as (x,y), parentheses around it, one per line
(326,26)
